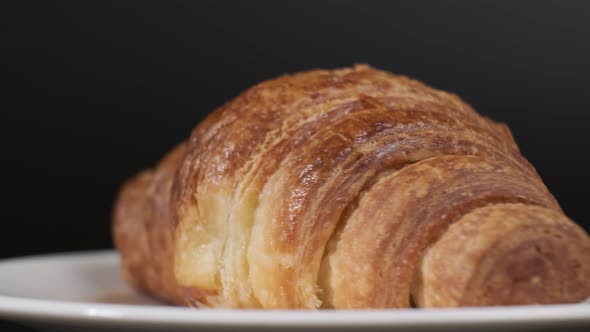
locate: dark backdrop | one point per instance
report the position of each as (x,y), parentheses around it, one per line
(95,91)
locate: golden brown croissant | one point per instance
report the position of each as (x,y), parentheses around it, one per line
(351,188)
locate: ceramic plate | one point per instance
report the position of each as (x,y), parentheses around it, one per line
(84,290)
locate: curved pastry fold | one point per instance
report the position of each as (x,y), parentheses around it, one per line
(516,254)
(351,188)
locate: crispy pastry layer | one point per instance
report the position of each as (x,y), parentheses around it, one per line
(336,189)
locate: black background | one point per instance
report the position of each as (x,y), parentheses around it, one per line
(95,91)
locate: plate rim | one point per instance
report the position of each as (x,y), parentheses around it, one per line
(23,308)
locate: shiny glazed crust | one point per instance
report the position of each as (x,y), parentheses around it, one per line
(350,188)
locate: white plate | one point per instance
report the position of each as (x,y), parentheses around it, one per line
(84,290)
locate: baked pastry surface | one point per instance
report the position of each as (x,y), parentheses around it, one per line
(348,188)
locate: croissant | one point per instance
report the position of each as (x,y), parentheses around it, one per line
(348,188)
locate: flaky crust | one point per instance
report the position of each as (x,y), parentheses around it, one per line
(337,189)
(143,230)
